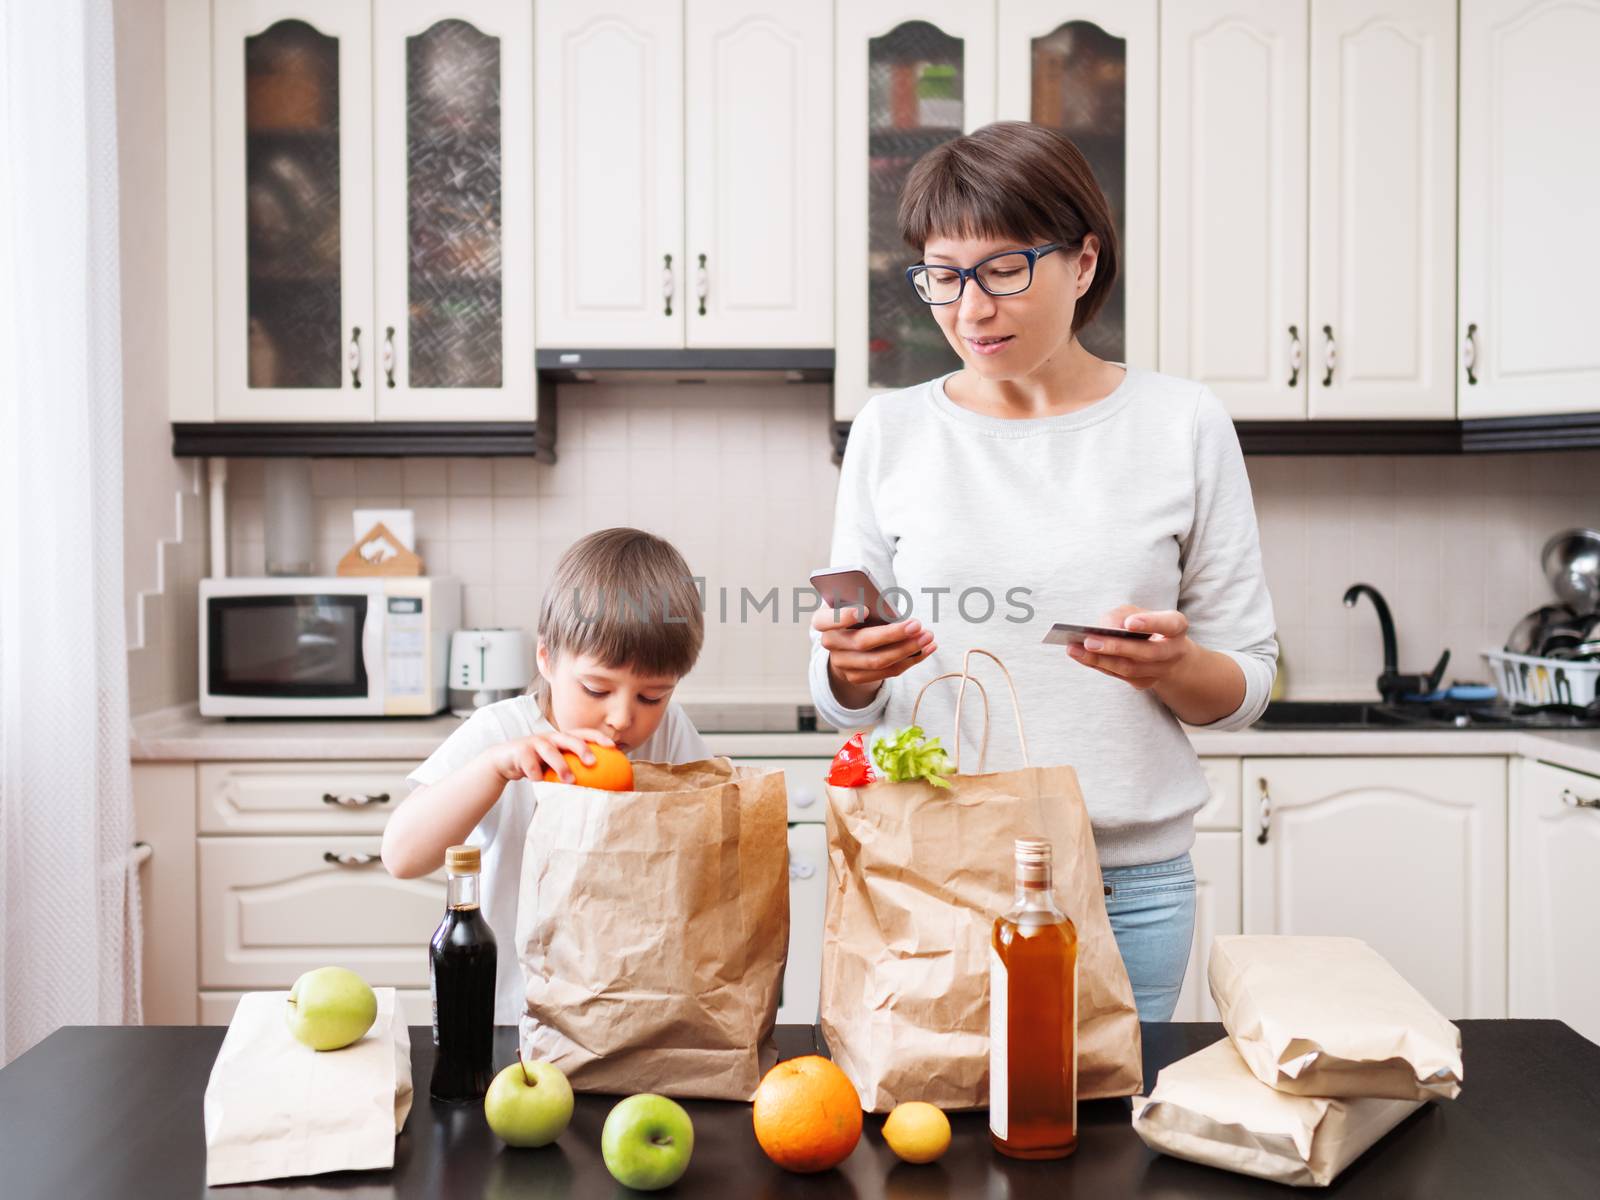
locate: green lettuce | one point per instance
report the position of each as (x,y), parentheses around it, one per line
(911,755)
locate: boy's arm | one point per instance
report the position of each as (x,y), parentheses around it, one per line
(436,816)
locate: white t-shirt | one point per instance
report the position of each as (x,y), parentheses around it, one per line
(504,827)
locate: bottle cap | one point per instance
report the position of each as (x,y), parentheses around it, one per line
(463,860)
(1033,862)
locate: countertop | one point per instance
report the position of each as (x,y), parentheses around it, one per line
(181,735)
(109,1111)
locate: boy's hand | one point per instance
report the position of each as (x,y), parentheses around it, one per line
(527,758)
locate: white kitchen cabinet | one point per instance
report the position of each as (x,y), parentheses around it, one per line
(416,1006)
(758,107)
(808,901)
(292,161)
(1382,241)
(610,166)
(1088,68)
(1530,173)
(274,907)
(1217,907)
(1234,99)
(454,232)
(1555,897)
(373,219)
(685,166)
(164,820)
(300,797)
(1408,854)
(912,75)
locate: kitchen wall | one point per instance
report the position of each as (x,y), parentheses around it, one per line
(164,511)
(738,476)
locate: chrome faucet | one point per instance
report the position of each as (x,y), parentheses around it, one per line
(1392,685)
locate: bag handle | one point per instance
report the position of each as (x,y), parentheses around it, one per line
(964,675)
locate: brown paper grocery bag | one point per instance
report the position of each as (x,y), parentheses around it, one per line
(917,875)
(652,928)
(1209,1108)
(1328,1016)
(275,1108)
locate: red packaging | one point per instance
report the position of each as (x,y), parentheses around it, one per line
(852,766)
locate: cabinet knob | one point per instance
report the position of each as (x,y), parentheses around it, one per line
(1265,813)
(1469,353)
(355,801)
(352,356)
(702,284)
(388,355)
(668,283)
(804,798)
(1573,800)
(1296,356)
(1330,357)
(350,860)
(801,870)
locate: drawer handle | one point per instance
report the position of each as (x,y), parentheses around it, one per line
(1570,797)
(1266,813)
(351,860)
(356,801)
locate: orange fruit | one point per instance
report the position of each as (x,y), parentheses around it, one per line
(807,1115)
(610,772)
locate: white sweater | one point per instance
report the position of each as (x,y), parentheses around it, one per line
(1141,498)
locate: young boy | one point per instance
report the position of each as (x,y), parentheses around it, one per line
(619,627)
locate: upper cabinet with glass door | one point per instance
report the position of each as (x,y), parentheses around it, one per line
(1087,68)
(292,153)
(373,244)
(912,74)
(454,209)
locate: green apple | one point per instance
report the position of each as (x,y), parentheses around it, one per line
(647,1141)
(330,1007)
(528,1104)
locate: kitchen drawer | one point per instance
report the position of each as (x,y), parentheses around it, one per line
(300,797)
(808,799)
(216,1008)
(274,907)
(808,901)
(1223,809)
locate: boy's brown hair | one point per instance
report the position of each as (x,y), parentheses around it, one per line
(1013,179)
(627,598)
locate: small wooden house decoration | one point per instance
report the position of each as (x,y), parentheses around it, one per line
(379,552)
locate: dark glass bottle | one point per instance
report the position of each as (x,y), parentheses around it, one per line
(463,961)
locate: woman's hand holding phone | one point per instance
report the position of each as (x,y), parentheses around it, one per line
(860,659)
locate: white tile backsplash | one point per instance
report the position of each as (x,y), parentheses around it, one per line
(738,477)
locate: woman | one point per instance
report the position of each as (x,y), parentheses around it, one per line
(1037,484)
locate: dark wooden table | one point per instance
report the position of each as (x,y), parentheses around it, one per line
(111,1112)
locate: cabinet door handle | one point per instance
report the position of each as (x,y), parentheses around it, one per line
(1330,356)
(1469,353)
(355,801)
(350,860)
(353,356)
(1572,799)
(702,284)
(388,354)
(1296,356)
(1266,813)
(668,284)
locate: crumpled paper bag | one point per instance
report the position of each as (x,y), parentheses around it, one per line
(1209,1108)
(275,1108)
(653,928)
(1328,1016)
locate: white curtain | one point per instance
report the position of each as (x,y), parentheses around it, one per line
(69,924)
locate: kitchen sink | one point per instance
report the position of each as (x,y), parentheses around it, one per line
(1339,714)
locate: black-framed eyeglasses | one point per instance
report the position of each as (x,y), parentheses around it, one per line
(1003,274)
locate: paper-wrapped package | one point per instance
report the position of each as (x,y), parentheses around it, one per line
(1208,1108)
(653,928)
(275,1108)
(1328,1016)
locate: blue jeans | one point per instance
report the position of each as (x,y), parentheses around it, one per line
(1152,915)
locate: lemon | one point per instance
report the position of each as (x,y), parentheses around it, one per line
(917,1132)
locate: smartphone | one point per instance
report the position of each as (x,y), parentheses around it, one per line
(852,587)
(1062,635)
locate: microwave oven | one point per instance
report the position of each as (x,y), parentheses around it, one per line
(299,646)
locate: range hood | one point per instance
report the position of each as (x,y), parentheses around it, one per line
(684,366)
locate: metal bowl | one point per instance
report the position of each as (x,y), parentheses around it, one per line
(1571,562)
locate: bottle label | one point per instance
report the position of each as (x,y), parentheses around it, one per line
(999,1085)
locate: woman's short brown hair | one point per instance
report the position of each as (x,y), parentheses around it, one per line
(627,598)
(1016,180)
